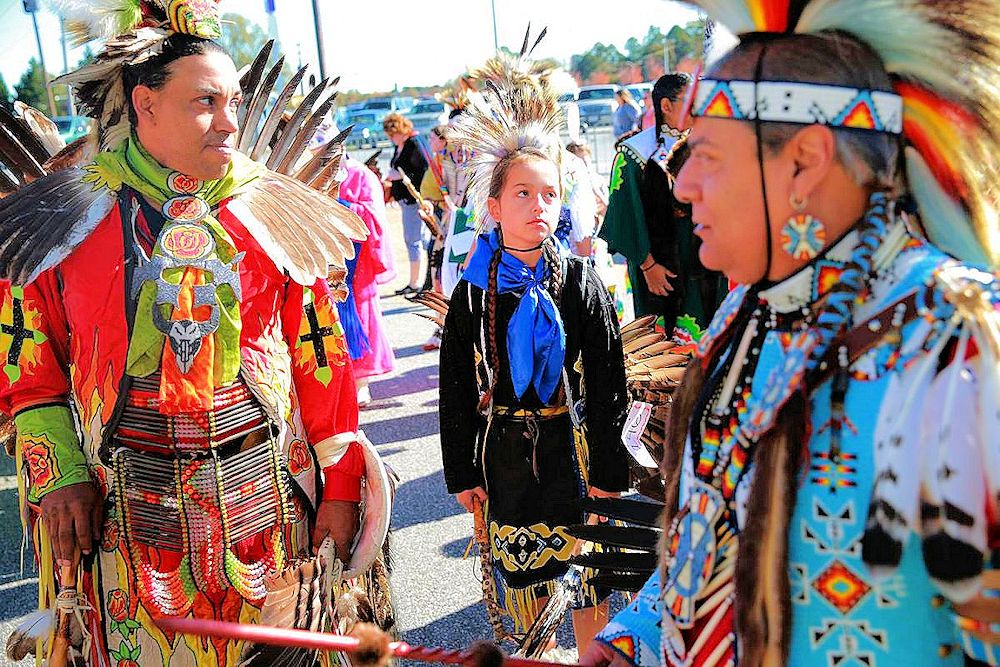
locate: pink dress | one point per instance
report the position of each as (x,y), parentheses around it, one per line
(363,191)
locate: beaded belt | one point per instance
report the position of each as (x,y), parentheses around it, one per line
(183,515)
(540,413)
(142,426)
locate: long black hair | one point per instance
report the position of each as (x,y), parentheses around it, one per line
(670,87)
(155,71)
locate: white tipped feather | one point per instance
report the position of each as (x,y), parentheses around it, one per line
(903,33)
(23,641)
(97,19)
(41,126)
(735,16)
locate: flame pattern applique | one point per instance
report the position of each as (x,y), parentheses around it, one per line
(321,342)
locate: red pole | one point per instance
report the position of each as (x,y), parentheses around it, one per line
(322,641)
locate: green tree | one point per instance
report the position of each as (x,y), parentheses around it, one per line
(601,58)
(242,38)
(88,57)
(31,88)
(686,41)
(5,100)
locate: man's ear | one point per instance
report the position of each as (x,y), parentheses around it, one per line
(144,103)
(814,152)
(493,206)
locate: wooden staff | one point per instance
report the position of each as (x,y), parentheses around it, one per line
(65,603)
(322,641)
(482,538)
(428,218)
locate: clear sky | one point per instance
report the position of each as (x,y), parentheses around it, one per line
(376,44)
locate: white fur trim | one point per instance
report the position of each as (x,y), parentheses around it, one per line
(330,450)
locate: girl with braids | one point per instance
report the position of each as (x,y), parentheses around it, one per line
(532,392)
(833,464)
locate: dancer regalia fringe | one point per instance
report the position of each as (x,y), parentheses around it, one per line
(170,343)
(833,489)
(532,378)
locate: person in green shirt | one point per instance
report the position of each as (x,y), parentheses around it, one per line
(646,224)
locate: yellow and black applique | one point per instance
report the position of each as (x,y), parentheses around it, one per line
(20,337)
(321,342)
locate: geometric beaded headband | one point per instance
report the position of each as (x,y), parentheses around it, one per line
(802,103)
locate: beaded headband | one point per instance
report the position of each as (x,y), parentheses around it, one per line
(801,103)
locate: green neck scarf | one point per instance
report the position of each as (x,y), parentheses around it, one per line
(132,165)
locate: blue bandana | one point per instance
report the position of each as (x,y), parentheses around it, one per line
(536,339)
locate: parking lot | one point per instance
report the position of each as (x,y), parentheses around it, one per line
(602,148)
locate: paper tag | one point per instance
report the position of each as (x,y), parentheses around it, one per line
(635,424)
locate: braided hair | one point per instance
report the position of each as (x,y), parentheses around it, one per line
(668,87)
(491,322)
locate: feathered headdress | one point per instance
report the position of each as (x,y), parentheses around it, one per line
(134,31)
(941,55)
(514,109)
(456,95)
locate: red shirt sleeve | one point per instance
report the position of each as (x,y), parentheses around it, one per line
(35,386)
(324,386)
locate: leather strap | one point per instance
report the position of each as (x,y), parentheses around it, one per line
(859,340)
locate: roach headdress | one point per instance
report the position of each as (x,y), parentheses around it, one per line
(941,56)
(513,110)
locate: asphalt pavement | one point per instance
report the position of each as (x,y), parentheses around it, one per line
(437,592)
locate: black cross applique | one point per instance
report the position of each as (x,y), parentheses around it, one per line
(18,333)
(317,335)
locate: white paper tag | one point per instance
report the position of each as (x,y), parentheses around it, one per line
(635,424)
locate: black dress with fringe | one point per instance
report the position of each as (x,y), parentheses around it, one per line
(527,454)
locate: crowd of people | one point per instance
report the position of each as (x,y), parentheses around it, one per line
(190,313)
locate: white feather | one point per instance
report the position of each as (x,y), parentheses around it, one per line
(103,19)
(905,35)
(734,15)
(23,641)
(41,127)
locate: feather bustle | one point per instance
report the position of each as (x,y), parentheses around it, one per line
(50,218)
(313,231)
(261,96)
(292,127)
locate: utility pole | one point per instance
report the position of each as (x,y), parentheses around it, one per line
(272,24)
(319,39)
(302,83)
(70,104)
(496,42)
(31,7)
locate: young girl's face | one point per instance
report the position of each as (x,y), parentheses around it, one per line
(527,209)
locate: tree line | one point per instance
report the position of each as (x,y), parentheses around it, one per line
(642,59)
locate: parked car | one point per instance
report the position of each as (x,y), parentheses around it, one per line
(597,104)
(368,132)
(427,114)
(639,91)
(72,128)
(386,105)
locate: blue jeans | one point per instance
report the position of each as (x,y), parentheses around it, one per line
(415,232)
